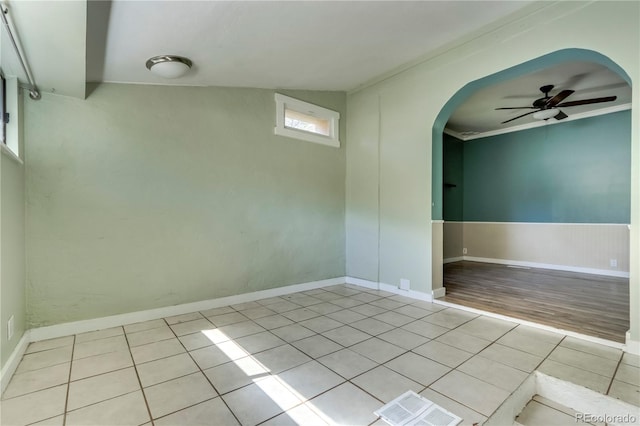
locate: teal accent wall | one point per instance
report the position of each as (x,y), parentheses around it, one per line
(452,173)
(542,62)
(574,172)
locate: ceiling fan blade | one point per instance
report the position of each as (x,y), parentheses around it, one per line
(560,115)
(588,101)
(527,107)
(558,98)
(520,116)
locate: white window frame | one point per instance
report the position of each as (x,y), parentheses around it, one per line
(285,102)
(11,147)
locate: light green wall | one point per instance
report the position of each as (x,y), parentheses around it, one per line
(12,264)
(362,191)
(148,196)
(417,95)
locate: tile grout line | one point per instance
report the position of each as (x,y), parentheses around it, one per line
(494,341)
(186,408)
(187,351)
(547,357)
(613,377)
(528,374)
(320,315)
(69,381)
(311,359)
(345,380)
(548,406)
(314,359)
(66,399)
(135,368)
(457,402)
(286,343)
(219,395)
(589,371)
(104,400)
(380,365)
(366,371)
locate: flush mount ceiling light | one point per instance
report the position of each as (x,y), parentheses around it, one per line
(545,114)
(169,66)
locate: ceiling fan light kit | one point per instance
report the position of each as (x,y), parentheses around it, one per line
(545,114)
(169,66)
(548,107)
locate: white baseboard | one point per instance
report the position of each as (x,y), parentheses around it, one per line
(631,346)
(372,285)
(609,273)
(418,295)
(14,359)
(438,292)
(70,328)
(76,327)
(453,259)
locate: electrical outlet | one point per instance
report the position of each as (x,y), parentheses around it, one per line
(464,250)
(10,328)
(613,263)
(405,284)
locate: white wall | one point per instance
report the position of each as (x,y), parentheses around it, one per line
(363,187)
(569,246)
(12,230)
(148,196)
(12,264)
(410,102)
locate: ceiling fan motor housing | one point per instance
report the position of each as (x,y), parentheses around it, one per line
(542,102)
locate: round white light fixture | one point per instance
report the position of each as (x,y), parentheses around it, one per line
(169,66)
(545,114)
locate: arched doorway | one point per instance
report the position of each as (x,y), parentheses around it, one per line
(455,101)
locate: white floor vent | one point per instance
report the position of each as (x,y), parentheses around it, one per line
(410,409)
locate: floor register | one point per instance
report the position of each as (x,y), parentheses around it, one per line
(410,409)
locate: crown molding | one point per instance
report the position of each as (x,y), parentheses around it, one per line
(463,136)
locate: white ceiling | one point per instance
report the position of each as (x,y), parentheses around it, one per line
(321,45)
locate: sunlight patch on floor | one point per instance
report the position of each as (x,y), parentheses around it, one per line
(285,396)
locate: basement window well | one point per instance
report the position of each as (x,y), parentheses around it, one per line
(308,122)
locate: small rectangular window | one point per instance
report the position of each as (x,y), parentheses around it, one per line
(302,120)
(297,120)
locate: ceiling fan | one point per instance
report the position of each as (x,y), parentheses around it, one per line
(547,107)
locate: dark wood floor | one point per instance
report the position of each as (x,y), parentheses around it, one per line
(594,305)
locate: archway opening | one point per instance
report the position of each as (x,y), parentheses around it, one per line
(440,186)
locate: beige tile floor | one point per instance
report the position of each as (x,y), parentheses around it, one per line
(326,356)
